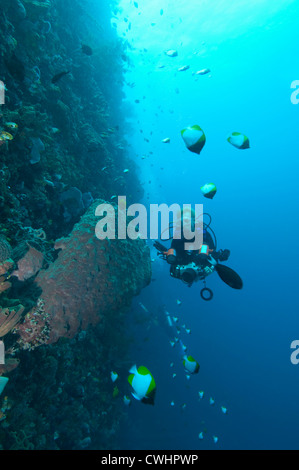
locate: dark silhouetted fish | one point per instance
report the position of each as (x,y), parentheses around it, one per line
(86,49)
(15,67)
(58,76)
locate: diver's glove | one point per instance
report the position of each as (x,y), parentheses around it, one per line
(208,270)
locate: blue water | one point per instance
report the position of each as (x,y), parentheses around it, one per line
(241,339)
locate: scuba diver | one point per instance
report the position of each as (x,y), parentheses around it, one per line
(193,265)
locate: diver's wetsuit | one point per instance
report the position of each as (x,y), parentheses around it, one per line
(183,266)
(192,265)
(186,257)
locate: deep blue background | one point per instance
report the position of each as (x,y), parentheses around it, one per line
(242,338)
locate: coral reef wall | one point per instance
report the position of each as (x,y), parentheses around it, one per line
(62,152)
(68,148)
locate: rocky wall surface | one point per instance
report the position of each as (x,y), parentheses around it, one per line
(62,151)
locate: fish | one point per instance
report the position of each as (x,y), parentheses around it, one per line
(168,319)
(143,384)
(202,72)
(58,76)
(166,140)
(171,53)
(143,307)
(238,140)
(11,125)
(126,400)
(183,68)
(194,138)
(15,67)
(190,364)
(86,49)
(114,376)
(209,190)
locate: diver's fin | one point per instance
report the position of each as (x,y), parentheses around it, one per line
(229,276)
